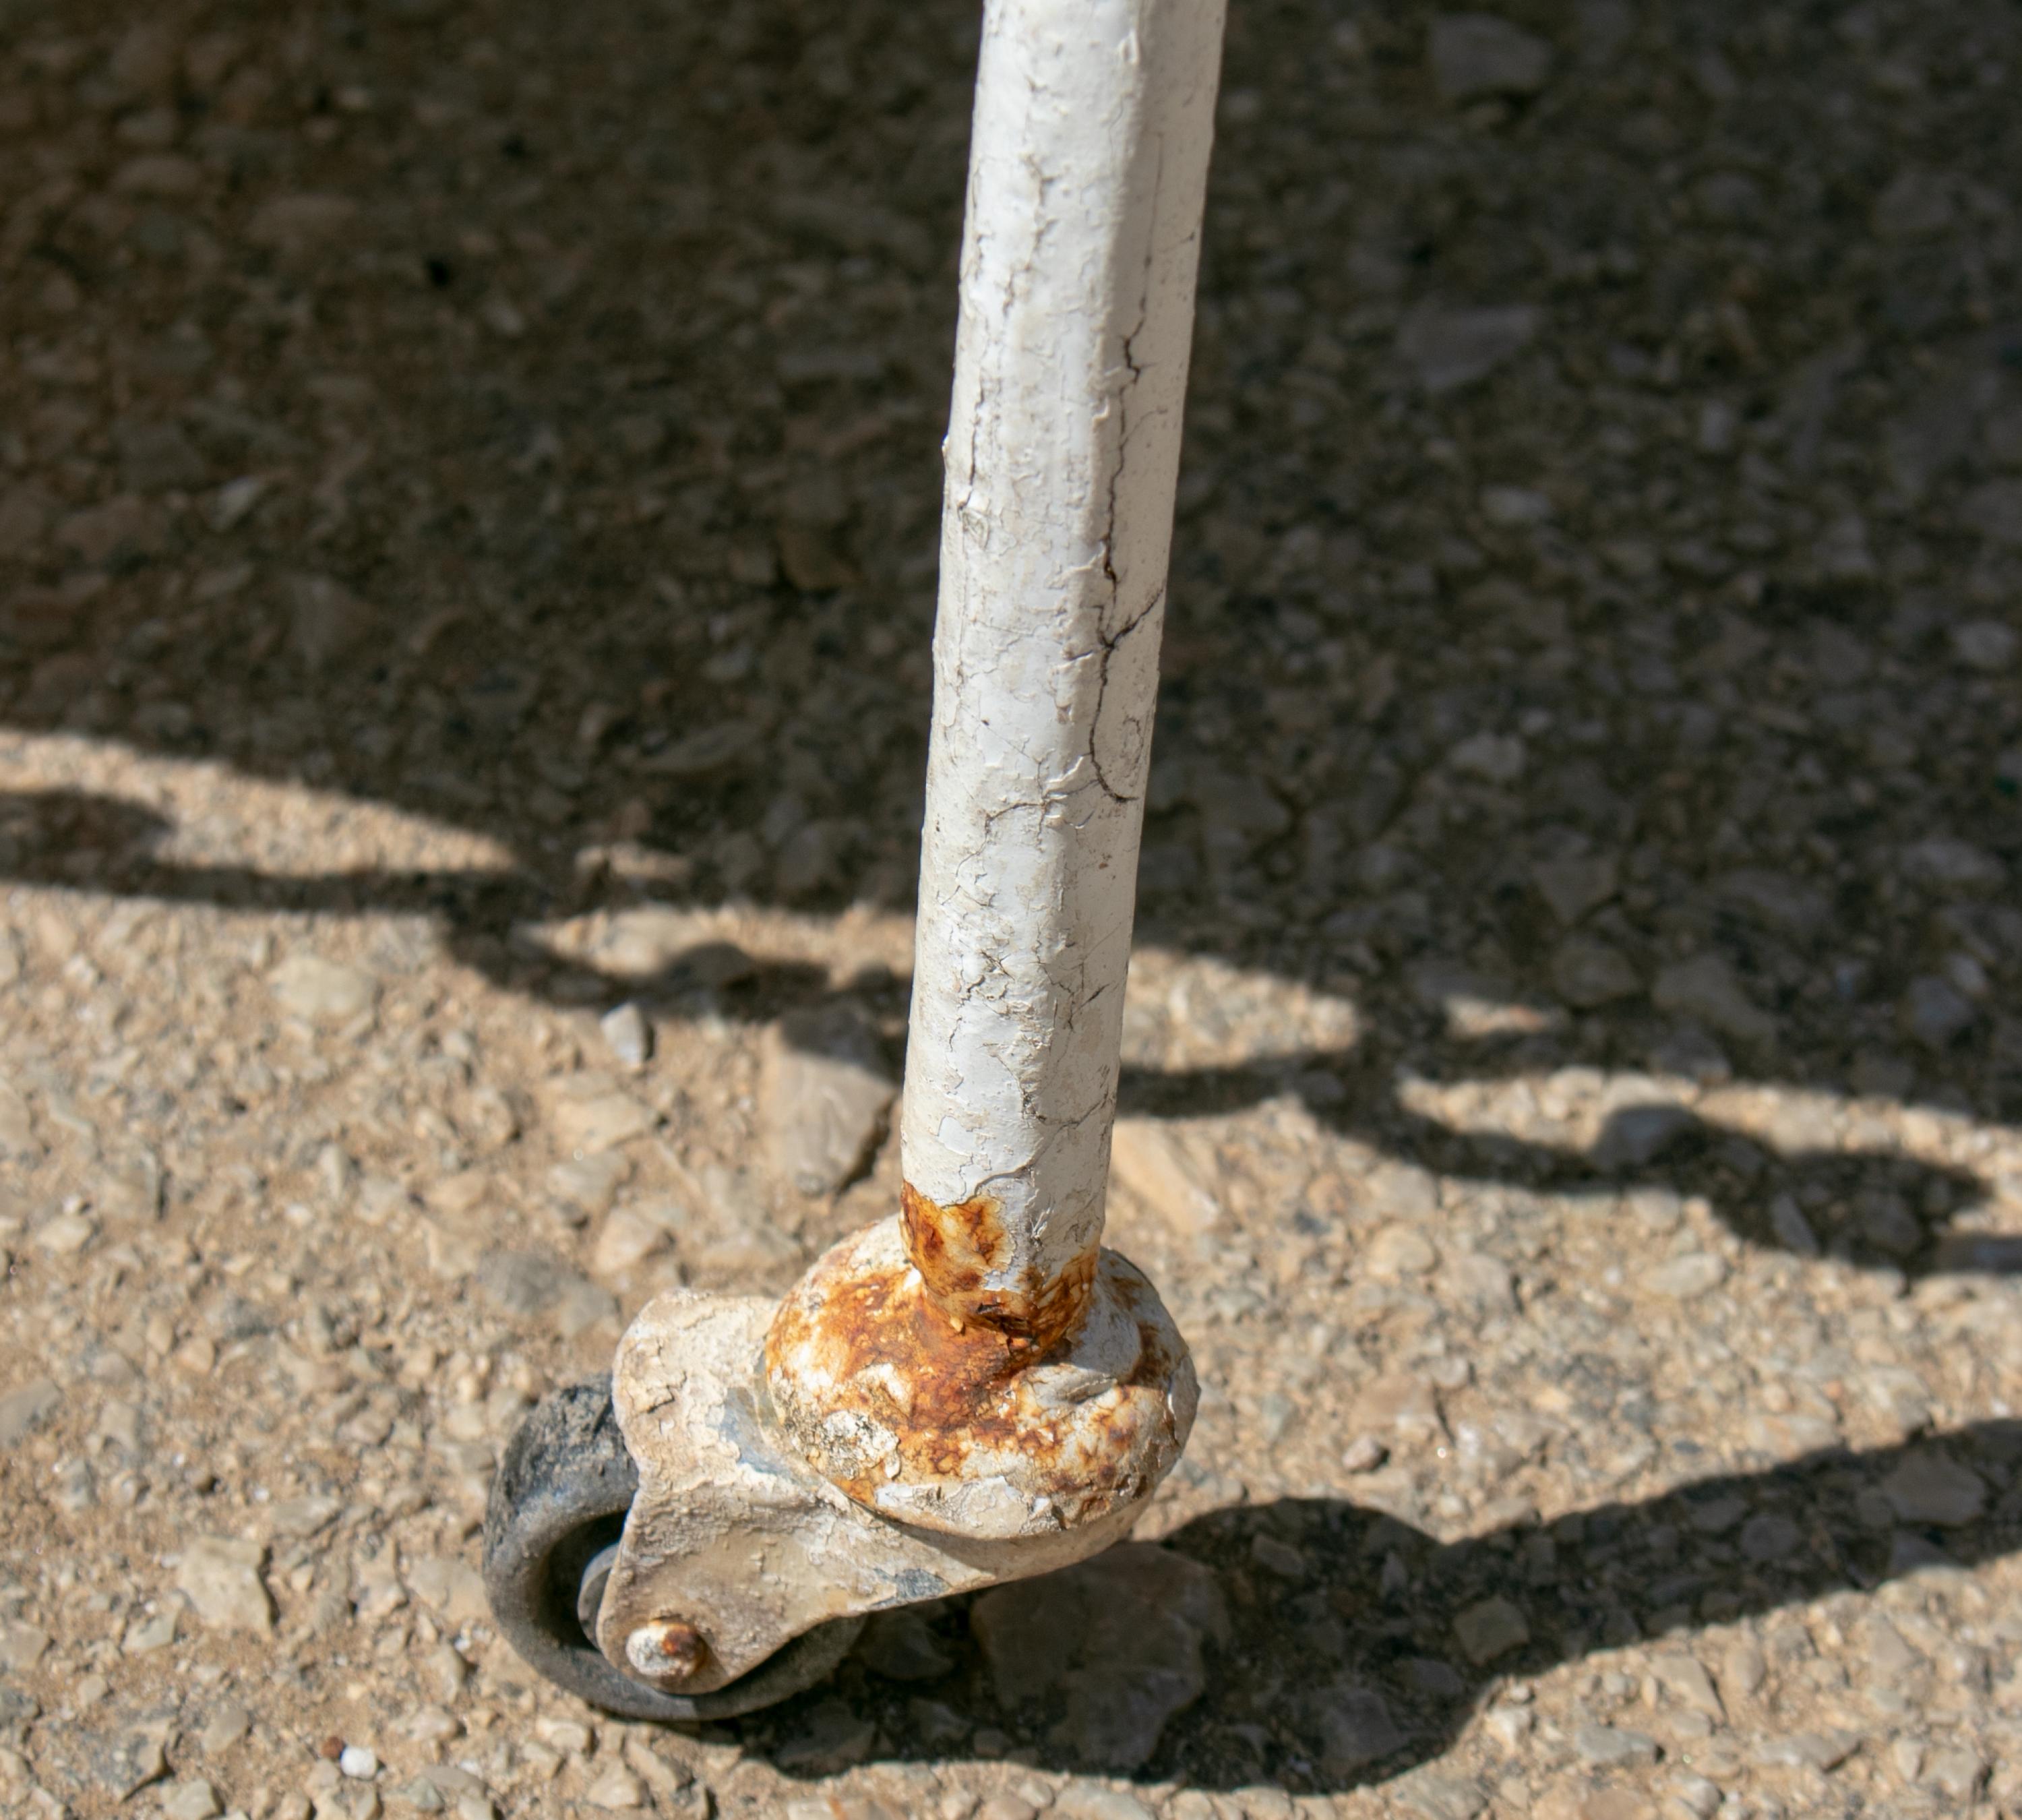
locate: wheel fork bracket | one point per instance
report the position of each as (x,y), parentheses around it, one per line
(949,1460)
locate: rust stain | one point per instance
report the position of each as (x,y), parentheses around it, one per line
(945,1391)
(888,1390)
(937,1379)
(934,1386)
(670,1652)
(954,1246)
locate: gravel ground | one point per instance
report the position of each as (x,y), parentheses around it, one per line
(468,483)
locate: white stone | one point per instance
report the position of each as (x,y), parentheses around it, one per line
(1697,1796)
(1686,1679)
(617,1787)
(1573,887)
(1476,55)
(1491,1628)
(1985,645)
(1932,1487)
(1081,1800)
(1586,972)
(21,1645)
(1400,1403)
(628,1236)
(150,1633)
(294,222)
(666,1780)
(1514,505)
(1934,1012)
(1942,860)
(1685,1277)
(1705,987)
(1364,1454)
(448,1585)
(1449,348)
(1495,757)
(227,1723)
(221,1576)
(195,1800)
(587,1121)
(321,991)
(586,1185)
(1151,1161)
(24,1410)
(1399,1251)
(628,1035)
(825,1095)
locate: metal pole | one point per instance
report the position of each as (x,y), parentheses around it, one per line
(1088,167)
(994,1394)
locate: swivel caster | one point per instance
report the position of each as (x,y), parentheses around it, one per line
(551,1530)
(703,1533)
(972,1390)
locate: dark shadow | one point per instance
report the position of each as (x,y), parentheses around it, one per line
(1879,1208)
(1327,1604)
(585,565)
(1887,1209)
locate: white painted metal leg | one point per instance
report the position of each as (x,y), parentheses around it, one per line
(1093,122)
(973,1390)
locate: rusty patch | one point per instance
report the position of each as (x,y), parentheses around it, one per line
(892,1397)
(942,1390)
(955,1247)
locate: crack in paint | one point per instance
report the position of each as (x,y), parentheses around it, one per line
(1074,288)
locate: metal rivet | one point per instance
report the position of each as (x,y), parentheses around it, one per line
(667,1650)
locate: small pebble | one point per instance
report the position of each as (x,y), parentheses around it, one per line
(629,1037)
(196,1800)
(1364,1454)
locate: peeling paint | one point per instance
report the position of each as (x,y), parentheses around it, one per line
(1089,161)
(965,1257)
(969,1428)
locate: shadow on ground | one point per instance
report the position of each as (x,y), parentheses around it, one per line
(595,574)
(1590,557)
(1314,1646)
(1892,1208)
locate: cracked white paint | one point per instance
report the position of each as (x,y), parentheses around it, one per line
(1088,165)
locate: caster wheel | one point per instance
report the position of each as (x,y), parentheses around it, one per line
(551,1531)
